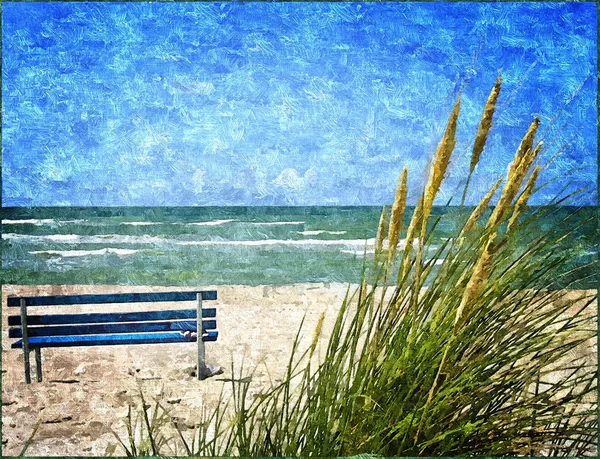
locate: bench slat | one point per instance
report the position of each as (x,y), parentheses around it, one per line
(14,301)
(136,327)
(105,340)
(65,319)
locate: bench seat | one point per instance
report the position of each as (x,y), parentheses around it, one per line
(104,340)
(110,328)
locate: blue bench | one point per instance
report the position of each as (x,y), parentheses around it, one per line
(102,329)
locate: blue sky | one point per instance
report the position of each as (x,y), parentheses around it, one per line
(284,104)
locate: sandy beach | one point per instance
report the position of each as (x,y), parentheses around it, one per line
(86,392)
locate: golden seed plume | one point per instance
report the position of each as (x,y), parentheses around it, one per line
(317,333)
(530,157)
(483,204)
(381,229)
(411,231)
(414,222)
(436,175)
(516,173)
(363,291)
(397,215)
(480,273)
(485,124)
(440,162)
(527,142)
(521,203)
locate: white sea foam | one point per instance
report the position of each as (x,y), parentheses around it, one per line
(63,237)
(384,246)
(78,239)
(358,252)
(38,222)
(317,232)
(289,242)
(212,223)
(83,253)
(146,239)
(275,223)
(140,223)
(401,244)
(28,222)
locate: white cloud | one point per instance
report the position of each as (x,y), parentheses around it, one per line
(290,180)
(198,180)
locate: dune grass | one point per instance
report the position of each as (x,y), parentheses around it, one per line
(477,350)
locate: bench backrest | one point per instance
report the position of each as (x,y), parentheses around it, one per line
(147,322)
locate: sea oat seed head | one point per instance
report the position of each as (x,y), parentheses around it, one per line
(436,175)
(317,333)
(516,173)
(363,291)
(397,215)
(381,229)
(529,159)
(483,204)
(524,157)
(411,231)
(478,277)
(440,162)
(527,142)
(485,124)
(521,203)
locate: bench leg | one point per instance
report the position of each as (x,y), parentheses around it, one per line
(201,370)
(27,366)
(38,363)
(25,342)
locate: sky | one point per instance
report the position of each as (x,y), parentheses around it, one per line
(185,104)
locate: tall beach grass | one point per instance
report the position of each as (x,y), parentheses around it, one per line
(477,350)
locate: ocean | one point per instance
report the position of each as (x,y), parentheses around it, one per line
(227,245)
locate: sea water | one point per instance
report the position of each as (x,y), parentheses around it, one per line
(230,245)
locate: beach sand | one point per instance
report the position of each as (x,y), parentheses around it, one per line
(86,392)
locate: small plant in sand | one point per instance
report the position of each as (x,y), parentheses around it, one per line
(145,430)
(476,349)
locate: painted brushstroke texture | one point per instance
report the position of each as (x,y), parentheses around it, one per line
(283,104)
